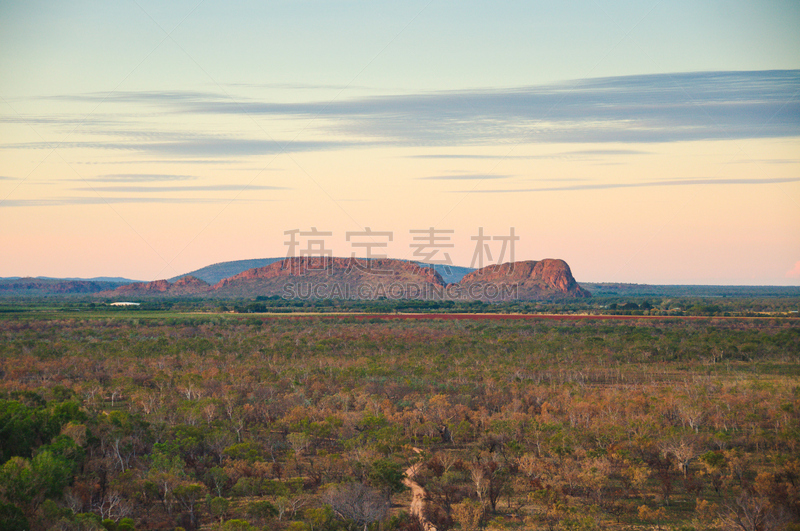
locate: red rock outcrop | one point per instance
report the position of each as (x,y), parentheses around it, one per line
(155,287)
(187,285)
(351,278)
(532,279)
(346,278)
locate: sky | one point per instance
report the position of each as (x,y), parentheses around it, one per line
(640,141)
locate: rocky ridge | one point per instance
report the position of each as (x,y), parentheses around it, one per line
(350,278)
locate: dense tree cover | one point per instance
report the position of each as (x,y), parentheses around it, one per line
(236,422)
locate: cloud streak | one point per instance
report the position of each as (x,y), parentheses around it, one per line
(646,108)
(201,188)
(609,186)
(561,155)
(629,109)
(70,201)
(465,177)
(140,177)
(193,147)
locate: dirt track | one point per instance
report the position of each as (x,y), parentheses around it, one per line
(417,507)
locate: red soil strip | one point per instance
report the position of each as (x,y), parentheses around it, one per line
(502,316)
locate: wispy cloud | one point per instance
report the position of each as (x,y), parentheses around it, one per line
(768,161)
(302,86)
(149,96)
(166,161)
(466,156)
(4,178)
(559,155)
(140,177)
(630,109)
(67,201)
(686,182)
(556,180)
(605,152)
(646,108)
(464,177)
(202,146)
(202,188)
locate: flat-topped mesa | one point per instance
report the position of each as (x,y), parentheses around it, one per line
(548,278)
(335,277)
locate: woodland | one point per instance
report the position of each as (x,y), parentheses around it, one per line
(169,419)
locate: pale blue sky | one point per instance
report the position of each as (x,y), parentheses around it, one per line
(65,47)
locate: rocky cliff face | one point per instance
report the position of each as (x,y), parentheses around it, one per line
(155,287)
(189,285)
(541,279)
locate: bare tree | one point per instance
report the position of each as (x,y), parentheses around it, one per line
(750,512)
(683,451)
(359,503)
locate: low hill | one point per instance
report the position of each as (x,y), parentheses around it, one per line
(216,272)
(222,270)
(114,280)
(36,287)
(342,278)
(187,285)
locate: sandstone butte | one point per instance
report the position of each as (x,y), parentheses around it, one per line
(533,279)
(359,279)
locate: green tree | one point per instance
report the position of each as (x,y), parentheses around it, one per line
(189,495)
(218,507)
(28,483)
(237,525)
(12,518)
(387,476)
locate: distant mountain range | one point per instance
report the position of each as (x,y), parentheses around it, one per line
(243,278)
(349,278)
(42,287)
(119,280)
(211,275)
